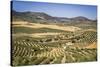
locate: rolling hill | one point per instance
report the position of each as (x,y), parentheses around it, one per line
(43,17)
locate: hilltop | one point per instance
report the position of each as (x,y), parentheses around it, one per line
(45,18)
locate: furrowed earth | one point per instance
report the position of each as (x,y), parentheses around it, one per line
(35,43)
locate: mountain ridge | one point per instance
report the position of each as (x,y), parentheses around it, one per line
(43,17)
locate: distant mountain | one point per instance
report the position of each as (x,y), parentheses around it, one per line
(80,18)
(95,20)
(62,19)
(30,16)
(43,17)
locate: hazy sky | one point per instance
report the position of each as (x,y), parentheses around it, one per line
(58,10)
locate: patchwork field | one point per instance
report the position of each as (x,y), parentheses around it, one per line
(36,43)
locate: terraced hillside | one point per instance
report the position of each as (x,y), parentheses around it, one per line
(52,46)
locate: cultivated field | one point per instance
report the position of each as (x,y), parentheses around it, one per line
(39,43)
